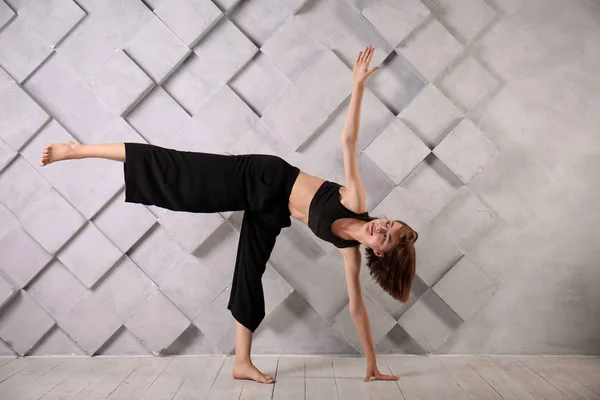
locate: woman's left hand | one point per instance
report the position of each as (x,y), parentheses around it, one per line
(361,70)
(372,371)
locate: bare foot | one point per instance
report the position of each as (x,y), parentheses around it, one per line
(57,152)
(249,371)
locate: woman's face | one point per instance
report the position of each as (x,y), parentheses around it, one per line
(382,235)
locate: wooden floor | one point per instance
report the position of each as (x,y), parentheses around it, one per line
(323,378)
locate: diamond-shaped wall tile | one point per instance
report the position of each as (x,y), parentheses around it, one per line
(190,229)
(291,49)
(69,100)
(52,20)
(89,323)
(466,219)
(396,83)
(395,19)
(225,49)
(466,150)
(466,18)
(89,255)
(5,80)
(87,184)
(157,254)
(124,223)
(189,19)
(276,289)
(119,82)
(317,93)
(20,117)
(259,18)
(22,257)
(124,289)
(9,221)
(217,324)
(430,115)
(6,292)
(21,187)
(109,26)
(396,203)
(7,154)
(193,84)
(431,185)
(23,323)
(56,278)
(157,50)
(20,61)
(56,343)
(465,288)
(123,343)
(217,125)
(157,323)
(226,5)
(397,151)
(260,83)
(6,13)
(468,83)
(430,49)
(436,254)
(429,321)
(158,117)
(397,341)
(260,140)
(381,323)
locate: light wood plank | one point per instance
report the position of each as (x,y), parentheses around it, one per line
(470,381)
(255,391)
(6,360)
(560,380)
(141,379)
(225,387)
(89,370)
(168,383)
(433,374)
(415,381)
(585,370)
(43,385)
(350,376)
(35,368)
(531,381)
(507,387)
(200,374)
(291,383)
(9,369)
(320,383)
(113,375)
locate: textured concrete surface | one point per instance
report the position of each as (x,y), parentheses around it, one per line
(480,130)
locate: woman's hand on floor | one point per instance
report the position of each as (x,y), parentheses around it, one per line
(373,372)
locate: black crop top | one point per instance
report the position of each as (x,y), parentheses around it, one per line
(325,208)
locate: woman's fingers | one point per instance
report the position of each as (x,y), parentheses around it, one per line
(359,57)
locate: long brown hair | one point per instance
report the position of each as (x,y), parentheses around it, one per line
(395,271)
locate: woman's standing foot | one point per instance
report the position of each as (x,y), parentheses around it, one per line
(58,152)
(249,371)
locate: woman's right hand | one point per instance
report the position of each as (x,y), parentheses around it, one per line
(361,71)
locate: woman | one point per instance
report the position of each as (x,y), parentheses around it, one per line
(270,190)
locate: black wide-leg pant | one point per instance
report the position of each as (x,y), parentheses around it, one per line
(206,183)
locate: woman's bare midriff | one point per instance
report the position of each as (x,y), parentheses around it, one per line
(303,191)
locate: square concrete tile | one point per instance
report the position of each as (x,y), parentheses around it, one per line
(7,154)
(22,257)
(465,288)
(466,150)
(468,83)
(22,311)
(52,20)
(20,61)
(190,229)
(56,343)
(217,324)
(21,187)
(189,19)
(397,151)
(259,19)
(260,140)
(394,19)
(6,292)
(157,50)
(6,14)
(436,254)
(466,18)
(431,115)
(430,49)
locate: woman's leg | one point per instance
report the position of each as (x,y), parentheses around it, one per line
(243,368)
(70,151)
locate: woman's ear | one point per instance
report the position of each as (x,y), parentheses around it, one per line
(378,253)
